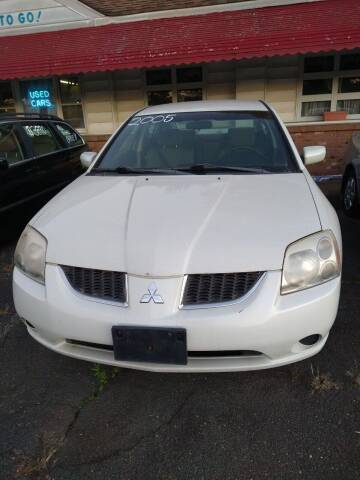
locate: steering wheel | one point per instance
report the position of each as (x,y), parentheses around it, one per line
(243,149)
(163,157)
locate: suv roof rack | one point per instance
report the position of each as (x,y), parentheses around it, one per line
(41,116)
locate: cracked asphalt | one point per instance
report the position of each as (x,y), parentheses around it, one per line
(62,420)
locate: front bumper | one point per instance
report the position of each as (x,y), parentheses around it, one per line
(264,321)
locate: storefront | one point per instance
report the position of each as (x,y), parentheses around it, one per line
(302,57)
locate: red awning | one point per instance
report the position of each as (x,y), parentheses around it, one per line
(320,26)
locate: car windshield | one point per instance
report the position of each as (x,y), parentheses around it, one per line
(199,142)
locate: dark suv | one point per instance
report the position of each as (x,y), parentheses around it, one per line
(39,154)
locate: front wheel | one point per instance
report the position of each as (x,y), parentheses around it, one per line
(350,198)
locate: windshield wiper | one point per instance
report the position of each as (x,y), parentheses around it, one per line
(136,171)
(202,168)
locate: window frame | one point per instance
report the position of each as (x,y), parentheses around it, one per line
(83,130)
(19,107)
(174,86)
(334,96)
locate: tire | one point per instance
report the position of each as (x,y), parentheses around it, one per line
(350,195)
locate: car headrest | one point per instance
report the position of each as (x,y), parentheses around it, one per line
(173,138)
(242,137)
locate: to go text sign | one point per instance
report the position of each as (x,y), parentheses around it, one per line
(20,18)
(38,17)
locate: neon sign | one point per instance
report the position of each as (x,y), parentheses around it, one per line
(40,99)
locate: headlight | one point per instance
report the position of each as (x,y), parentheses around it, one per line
(310,261)
(30,254)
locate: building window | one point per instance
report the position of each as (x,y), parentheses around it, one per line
(71,103)
(169,85)
(7,101)
(330,83)
(37,96)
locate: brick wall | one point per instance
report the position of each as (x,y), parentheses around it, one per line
(335,137)
(129,7)
(95,142)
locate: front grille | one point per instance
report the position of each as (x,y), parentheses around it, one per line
(103,284)
(206,289)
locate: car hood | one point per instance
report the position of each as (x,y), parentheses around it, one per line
(173,225)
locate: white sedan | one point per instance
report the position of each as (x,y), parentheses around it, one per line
(195,241)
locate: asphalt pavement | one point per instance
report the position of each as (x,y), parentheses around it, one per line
(64,419)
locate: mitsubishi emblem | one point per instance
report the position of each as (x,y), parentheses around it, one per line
(152,295)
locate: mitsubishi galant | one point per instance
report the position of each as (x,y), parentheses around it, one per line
(196,240)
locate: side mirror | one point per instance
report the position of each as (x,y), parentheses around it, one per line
(4,164)
(314,154)
(86,159)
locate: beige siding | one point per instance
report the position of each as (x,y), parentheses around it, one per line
(274,80)
(110,98)
(129,93)
(220,80)
(98,103)
(250,89)
(281,87)
(250,79)
(281,93)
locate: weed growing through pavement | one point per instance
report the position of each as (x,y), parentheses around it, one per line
(38,468)
(322,382)
(5,310)
(354,374)
(6,267)
(102,378)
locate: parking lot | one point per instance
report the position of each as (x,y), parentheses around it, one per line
(64,419)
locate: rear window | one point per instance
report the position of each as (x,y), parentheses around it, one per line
(71,138)
(232,139)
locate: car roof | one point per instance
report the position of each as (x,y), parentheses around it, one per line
(206,106)
(20,117)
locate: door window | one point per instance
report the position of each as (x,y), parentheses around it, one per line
(71,138)
(10,149)
(42,139)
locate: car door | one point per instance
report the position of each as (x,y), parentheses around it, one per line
(19,171)
(50,152)
(75,146)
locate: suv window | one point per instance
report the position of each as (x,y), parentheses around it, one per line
(71,138)
(42,138)
(10,148)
